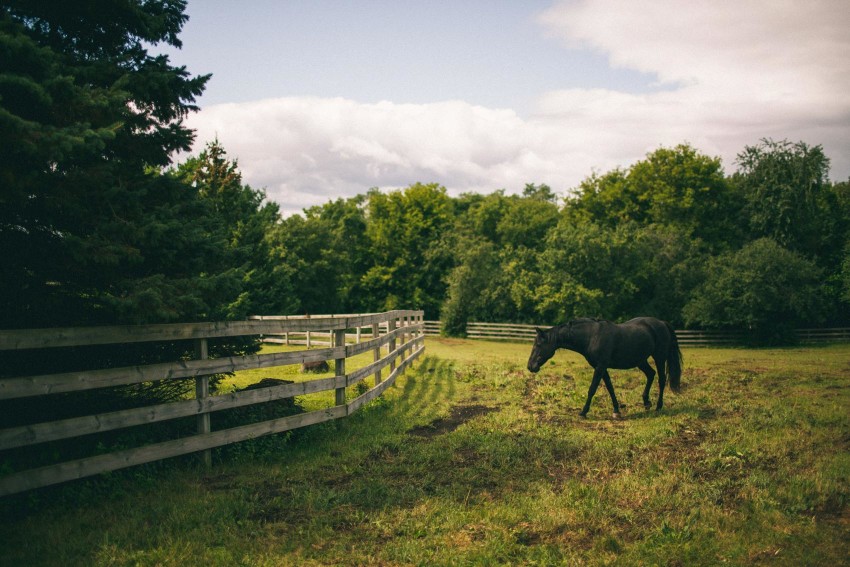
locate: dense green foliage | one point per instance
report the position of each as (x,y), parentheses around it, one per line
(671,236)
(246,221)
(763,287)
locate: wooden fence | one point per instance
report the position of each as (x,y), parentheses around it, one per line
(518,332)
(401,333)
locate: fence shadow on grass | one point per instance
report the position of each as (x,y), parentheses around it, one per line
(430,383)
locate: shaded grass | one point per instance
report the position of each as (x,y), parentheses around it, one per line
(470,459)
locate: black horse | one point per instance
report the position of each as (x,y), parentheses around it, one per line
(608,345)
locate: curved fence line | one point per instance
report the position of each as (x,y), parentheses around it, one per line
(399,333)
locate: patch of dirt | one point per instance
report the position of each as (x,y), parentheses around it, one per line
(465,456)
(834,513)
(458,416)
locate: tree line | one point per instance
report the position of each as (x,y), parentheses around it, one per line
(764,249)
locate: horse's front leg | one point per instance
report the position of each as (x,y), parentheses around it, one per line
(610,387)
(594,384)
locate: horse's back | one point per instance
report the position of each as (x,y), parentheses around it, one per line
(656,328)
(650,322)
(638,339)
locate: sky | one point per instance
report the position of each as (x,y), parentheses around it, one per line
(322,99)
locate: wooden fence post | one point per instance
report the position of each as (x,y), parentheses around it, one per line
(376,332)
(339,365)
(418,319)
(403,325)
(391,326)
(202,390)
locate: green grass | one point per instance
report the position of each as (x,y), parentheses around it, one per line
(310,402)
(471,460)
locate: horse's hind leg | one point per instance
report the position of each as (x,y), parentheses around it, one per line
(650,376)
(662,381)
(610,387)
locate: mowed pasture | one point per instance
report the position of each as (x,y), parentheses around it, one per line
(472,460)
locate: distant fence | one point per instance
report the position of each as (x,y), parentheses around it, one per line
(400,332)
(518,332)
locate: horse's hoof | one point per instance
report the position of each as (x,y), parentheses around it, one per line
(582,414)
(618,415)
(647,407)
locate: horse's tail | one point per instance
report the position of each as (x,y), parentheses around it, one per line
(674,360)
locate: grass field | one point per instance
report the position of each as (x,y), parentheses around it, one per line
(472,460)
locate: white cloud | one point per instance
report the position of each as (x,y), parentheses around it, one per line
(733,71)
(730,73)
(305,151)
(770,48)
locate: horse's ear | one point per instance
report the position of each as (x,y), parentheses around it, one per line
(540,332)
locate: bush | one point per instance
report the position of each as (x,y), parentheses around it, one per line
(762,287)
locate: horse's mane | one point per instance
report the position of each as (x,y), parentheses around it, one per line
(558,328)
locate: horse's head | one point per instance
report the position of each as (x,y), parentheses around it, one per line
(545,345)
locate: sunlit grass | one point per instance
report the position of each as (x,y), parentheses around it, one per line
(293,372)
(471,460)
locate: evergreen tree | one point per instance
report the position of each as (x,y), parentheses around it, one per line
(90,231)
(246,221)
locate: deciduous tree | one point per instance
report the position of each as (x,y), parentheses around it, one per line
(677,187)
(763,287)
(403,227)
(784,184)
